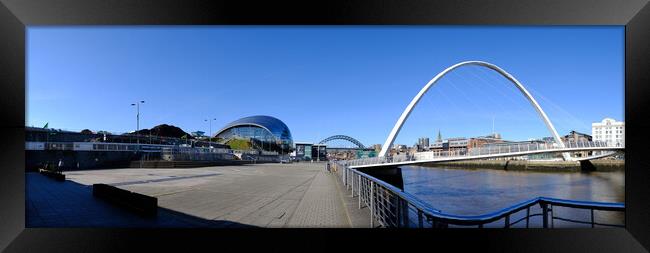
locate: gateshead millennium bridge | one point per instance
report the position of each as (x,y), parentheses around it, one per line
(482,153)
(378,183)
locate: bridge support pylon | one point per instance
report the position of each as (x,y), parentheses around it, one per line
(389,174)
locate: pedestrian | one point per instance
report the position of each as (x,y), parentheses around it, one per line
(328,167)
(61,165)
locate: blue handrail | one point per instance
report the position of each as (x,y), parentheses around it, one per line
(436,215)
(609,206)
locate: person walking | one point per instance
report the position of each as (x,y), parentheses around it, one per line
(328,167)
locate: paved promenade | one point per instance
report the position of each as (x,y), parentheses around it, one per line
(68,204)
(261,195)
(321,205)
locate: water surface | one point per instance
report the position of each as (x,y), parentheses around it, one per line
(481,191)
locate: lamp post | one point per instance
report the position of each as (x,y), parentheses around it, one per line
(210,132)
(137,105)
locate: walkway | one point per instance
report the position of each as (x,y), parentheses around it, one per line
(261,195)
(321,206)
(68,204)
(520,149)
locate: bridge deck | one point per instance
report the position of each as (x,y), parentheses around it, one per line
(400,161)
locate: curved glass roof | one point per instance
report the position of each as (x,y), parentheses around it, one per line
(274,125)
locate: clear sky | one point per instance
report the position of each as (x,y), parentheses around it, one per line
(325,80)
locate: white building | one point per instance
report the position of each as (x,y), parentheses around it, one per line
(610,131)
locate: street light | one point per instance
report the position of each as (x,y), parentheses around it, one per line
(137,104)
(210,133)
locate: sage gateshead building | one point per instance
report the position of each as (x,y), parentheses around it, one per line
(260,132)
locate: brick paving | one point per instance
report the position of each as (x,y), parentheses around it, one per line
(321,206)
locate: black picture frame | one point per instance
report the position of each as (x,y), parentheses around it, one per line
(16,15)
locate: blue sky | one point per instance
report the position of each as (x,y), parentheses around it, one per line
(325,80)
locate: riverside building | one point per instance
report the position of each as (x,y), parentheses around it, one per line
(609,131)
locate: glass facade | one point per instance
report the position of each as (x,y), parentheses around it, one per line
(260,132)
(303,151)
(319,152)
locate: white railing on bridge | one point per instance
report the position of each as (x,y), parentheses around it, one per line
(390,206)
(515,149)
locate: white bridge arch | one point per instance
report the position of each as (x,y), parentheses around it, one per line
(416,99)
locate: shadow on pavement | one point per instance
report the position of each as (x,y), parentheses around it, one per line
(69,204)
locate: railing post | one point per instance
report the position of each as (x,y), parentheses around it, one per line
(372,210)
(592,218)
(544,215)
(405,213)
(420,222)
(527,216)
(552,217)
(398,212)
(508,221)
(352,184)
(359,192)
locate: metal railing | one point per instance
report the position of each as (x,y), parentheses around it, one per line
(92,146)
(523,148)
(389,206)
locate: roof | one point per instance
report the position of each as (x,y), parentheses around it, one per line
(576,132)
(272,124)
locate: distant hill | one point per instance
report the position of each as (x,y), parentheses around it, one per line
(165,131)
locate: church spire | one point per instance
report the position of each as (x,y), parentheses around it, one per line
(439,136)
